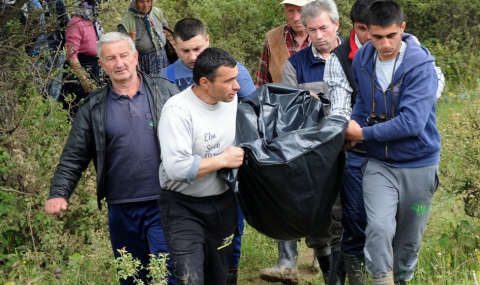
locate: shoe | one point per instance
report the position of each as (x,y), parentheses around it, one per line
(232,278)
(383,279)
(355,265)
(324,262)
(286,269)
(338,271)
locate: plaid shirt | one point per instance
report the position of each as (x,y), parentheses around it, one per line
(263,75)
(339,89)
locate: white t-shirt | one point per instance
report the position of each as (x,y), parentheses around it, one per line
(190,129)
(385,69)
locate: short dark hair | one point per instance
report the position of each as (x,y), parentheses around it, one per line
(383,14)
(358,10)
(188,28)
(208,62)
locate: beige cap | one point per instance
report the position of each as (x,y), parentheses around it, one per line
(299,3)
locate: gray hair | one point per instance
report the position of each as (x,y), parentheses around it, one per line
(114,37)
(315,8)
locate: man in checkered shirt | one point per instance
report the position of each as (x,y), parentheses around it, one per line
(282,42)
(342,91)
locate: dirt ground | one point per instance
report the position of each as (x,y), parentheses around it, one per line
(304,263)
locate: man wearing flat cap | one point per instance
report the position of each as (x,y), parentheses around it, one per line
(282,42)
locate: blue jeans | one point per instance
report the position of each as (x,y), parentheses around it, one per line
(55,63)
(138,227)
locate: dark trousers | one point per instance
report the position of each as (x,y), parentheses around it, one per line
(138,228)
(200,233)
(327,237)
(354,218)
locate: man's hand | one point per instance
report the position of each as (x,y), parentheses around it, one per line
(348,145)
(353,132)
(314,95)
(87,84)
(55,206)
(233,156)
(133,35)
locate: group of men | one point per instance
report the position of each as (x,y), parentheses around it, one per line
(156,150)
(377,206)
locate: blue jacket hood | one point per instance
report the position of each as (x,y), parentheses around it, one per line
(416,53)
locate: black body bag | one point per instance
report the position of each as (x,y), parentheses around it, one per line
(293,164)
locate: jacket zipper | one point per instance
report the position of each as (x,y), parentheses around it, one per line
(384,99)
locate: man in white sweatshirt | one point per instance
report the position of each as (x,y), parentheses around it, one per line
(199,211)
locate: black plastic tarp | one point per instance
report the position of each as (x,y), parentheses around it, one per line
(293,162)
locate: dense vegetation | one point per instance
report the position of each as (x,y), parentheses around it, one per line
(33,130)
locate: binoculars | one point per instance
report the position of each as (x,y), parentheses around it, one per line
(375,118)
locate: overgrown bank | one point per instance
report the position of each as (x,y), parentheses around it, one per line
(33,131)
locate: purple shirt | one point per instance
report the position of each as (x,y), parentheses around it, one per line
(132,153)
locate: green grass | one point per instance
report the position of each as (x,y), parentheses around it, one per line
(446,264)
(443,259)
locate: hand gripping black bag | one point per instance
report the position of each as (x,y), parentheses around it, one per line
(293,162)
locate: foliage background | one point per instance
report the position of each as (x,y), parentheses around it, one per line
(33,130)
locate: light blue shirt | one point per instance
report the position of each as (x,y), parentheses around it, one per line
(182,75)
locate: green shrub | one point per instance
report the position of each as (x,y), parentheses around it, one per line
(461,153)
(451,30)
(129,267)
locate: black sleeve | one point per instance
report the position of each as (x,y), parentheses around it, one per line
(76,155)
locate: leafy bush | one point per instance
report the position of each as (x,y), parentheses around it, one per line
(461,153)
(236,26)
(451,30)
(34,149)
(129,267)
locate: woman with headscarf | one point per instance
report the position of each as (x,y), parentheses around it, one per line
(81,36)
(144,24)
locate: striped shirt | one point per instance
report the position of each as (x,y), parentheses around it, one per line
(339,89)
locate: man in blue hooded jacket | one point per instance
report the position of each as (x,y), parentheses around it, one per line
(394,115)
